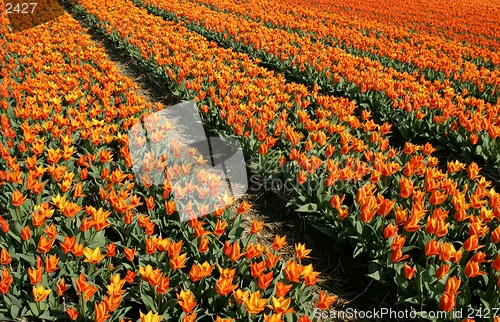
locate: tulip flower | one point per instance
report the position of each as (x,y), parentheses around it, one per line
(279,242)
(25,233)
(111,250)
(472,269)
(5,258)
(186,301)
(203,245)
(62,287)
(324,301)
(178,261)
(265,280)
(44,244)
(93,256)
(224,286)
(51,263)
(198,271)
(301,252)
(18,199)
(442,271)
(409,271)
(40,293)
(129,253)
(447,302)
(149,275)
(73,313)
(150,317)
(281,305)
(256,226)
(220,227)
(100,312)
(254,304)
(163,284)
(244,207)
(406,187)
(293,271)
(35,275)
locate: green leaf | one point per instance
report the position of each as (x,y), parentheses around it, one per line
(310,207)
(14,311)
(327,230)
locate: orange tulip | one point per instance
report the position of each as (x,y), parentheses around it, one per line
(73,313)
(279,242)
(186,301)
(301,252)
(447,302)
(111,250)
(5,281)
(130,276)
(256,269)
(256,226)
(433,247)
(44,244)
(18,199)
(101,312)
(35,275)
(244,207)
(178,261)
(163,284)
(220,227)
(409,271)
(452,285)
(496,264)
(150,203)
(442,271)
(472,269)
(62,287)
(26,233)
(271,259)
(149,275)
(472,243)
(406,187)
(198,271)
(265,280)
(254,304)
(77,250)
(51,263)
(5,258)
(241,296)
(437,197)
(51,231)
(281,305)
(324,301)
(129,253)
(203,245)
(311,278)
(227,273)
(293,271)
(397,256)
(390,231)
(224,286)
(151,245)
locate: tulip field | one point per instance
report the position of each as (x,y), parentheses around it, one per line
(378,119)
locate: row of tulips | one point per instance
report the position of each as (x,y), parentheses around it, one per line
(428,57)
(81,239)
(419,107)
(434,222)
(463,21)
